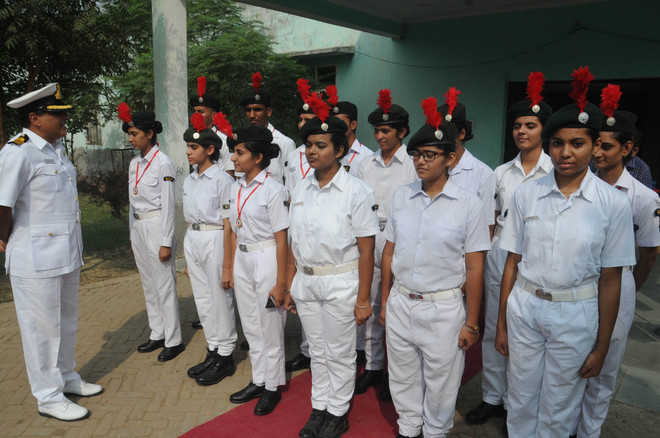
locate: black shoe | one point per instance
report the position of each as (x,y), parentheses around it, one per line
(313,425)
(222,367)
(398,435)
(483,412)
(361,359)
(368,378)
(573,436)
(300,362)
(194,371)
(267,402)
(246,394)
(170,353)
(151,345)
(334,426)
(196,325)
(384,393)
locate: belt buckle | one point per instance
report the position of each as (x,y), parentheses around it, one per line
(308,270)
(242,247)
(540,293)
(136,216)
(195,227)
(415,296)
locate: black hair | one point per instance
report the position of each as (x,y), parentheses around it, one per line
(267,150)
(460,126)
(400,127)
(339,140)
(26,116)
(624,136)
(216,152)
(154,138)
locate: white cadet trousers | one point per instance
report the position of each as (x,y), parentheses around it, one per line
(493,376)
(215,306)
(158,282)
(47,313)
(548,343)
(255,274)
(371,334)
(600,389)
(425,363)
(326,306)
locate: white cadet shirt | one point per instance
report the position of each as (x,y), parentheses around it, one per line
(565,242)
(432,236)
(224,160)
(357,153)
(278,164)
(264,213)
(206,196)
(38,182)
(155,191)
(297,168)
(476,177)
(326,222)
(645,205)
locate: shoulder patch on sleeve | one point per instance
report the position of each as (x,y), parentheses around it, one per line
(347,168)
(19,140)
(374,207)
(168,178)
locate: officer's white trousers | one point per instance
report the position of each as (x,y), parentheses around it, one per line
(158,282)
(326,307)
(425,363)
(47,313)
(371,334)
(548,344)
(600,389)
(493,377)
(215,305)
(255,274)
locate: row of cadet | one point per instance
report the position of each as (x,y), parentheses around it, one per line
(395,242)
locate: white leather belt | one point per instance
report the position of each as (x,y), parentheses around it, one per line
(147,215)
(248,247)
(578,293)
(427,296)
(628,268)
(329,269)
(206,227)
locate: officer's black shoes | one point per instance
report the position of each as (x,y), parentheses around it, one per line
(573,436)
(196,325)
(483,412)
(398,435)
(368,378)
(313,425)
(246,394)
(198,369)
(222,367)
(267,402)
(150,346)
(170,353)
(361,359)
(334,426)
(300,362)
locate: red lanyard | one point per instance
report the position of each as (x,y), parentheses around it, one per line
(138,178)
(303,172)
(239,207)
(352,157)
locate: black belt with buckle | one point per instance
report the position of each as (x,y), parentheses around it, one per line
(242,247)
(540,293)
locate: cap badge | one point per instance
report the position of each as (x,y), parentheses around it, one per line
(448,117)
(386,117)
(58,93)
(536,108)
(583,117)
(257,97)
(335,110)
(610,121)
(438,134)
(196,135)
(201,99)
(305,107)
(324,126)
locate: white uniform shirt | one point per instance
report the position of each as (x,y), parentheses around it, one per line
(224,160)
(432,236)
(356,154)
(297,168)
(38,183)
(565,242)
(645,204)
(476,177)
(325,222)
(206,196)
(278,164)
(264,213)
(155,190)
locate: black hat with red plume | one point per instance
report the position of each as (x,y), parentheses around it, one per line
(257,95)
(305,94)
(434,132)
(202,97)
(200,133)
(455,112)
(388,113)
(323,123)
(615,121)
(143,121)
(533,105)
(222,123)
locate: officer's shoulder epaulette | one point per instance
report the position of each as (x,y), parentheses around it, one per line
(19,140)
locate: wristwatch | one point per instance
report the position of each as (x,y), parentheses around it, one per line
(473,328)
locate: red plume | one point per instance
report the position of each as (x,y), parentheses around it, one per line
(201,86)
(124,112)
(319,106)
(609,99)
(430,107)
(451,99)
(582,77)
(385,100)
(535,82)
(256,81)
(197,121)
(303,89)
(221,122)
(331,91)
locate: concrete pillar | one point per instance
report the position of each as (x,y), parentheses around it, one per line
(171,90)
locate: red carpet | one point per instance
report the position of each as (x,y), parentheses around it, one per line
(369,417)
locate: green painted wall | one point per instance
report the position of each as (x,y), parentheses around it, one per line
(481,55)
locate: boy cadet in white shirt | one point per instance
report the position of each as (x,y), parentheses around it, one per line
(258,110)
(151,223)
(610,155)
(386,170)
(40,232)
(206,194)
(568,235)
(436,238)
(528,117)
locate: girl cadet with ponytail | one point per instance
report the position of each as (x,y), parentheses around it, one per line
(207,244)
(259,219)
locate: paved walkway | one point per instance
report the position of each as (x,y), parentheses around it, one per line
(144,397)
